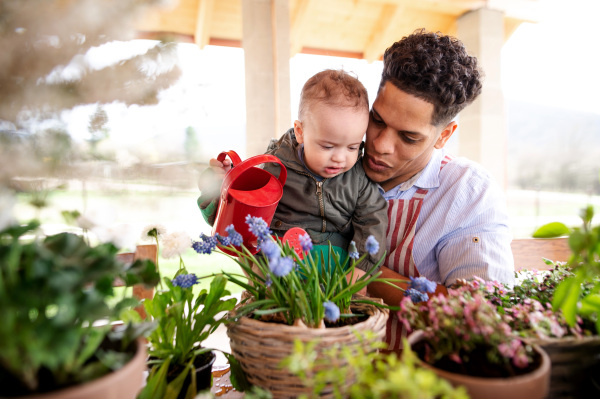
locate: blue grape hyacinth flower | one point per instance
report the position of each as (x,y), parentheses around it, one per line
(352,251)
(235,238)
(332,312)
(305,242)
(372,246)
(281,267)
(258,227)
(416,296)
(422,284)
(185,280)
(206,244)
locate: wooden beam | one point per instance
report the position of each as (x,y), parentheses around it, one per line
(299,20)
(380,37)
(215,41)
(165,36)
(203,22)
(451,7)
(331,53)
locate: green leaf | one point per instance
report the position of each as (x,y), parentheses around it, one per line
(237,377)
(126,303)
(70,217)
(175,386)
(94,339)
(142,271)
(156,384)
(566,297)
(590,305)
(577,241)
(551,230)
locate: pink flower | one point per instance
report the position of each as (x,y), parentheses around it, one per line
(536,317)
(455,358)
(556,329)
(520,360)
(505,350)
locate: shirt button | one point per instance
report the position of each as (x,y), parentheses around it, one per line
(278,223)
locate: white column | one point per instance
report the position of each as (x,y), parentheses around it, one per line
(266,43)
(482,125)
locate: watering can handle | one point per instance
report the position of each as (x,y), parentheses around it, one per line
(235,158)
(240,168)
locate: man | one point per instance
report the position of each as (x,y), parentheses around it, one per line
(447,217)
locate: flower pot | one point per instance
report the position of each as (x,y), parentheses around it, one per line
(261,346)
(575,366)
(124,383)
(533,385)
(203,371)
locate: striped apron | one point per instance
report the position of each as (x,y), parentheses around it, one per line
(400,235)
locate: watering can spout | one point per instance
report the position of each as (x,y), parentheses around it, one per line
(248,190)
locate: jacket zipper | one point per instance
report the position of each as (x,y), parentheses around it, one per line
(320,198)
(321,204)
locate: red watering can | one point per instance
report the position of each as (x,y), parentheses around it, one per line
(248,190)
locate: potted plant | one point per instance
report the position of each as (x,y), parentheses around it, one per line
(465,340)
(527,309)
(578,294)
(377,374)
(58,302)
(179,365)
(558,309)
(287,297)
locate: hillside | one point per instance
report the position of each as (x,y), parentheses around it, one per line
(552,148)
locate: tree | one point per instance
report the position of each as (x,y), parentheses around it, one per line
(43,68)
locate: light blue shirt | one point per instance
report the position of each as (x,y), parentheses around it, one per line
(463,227)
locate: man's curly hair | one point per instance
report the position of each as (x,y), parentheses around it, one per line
(435,68)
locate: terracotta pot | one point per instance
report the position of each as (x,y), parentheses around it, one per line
(260,347)
(124,383)
(575,366)
(534,385)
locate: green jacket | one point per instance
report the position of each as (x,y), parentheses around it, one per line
(347,207)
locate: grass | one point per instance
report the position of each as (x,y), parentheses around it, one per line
(138,205)
(201,265)
(133,208)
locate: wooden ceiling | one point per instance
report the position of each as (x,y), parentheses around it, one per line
(349,28)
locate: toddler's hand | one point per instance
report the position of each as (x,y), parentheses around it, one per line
(210,183)
(220,168)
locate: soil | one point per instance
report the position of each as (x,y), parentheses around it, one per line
(342,321)
(479,366)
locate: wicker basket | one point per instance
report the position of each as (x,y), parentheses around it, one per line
(575,366)
(261,346)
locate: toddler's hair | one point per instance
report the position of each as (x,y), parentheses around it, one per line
(333,87)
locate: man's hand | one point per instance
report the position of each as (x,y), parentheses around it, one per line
(390,295)
(357,274)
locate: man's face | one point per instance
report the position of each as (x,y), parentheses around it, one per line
(331,138)
(400,137)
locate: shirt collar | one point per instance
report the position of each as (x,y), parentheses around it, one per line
(301,156)
(427,178)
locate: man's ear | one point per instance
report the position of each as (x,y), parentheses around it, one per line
(446,134)
(299,132)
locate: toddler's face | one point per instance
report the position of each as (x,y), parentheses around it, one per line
(331,137)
